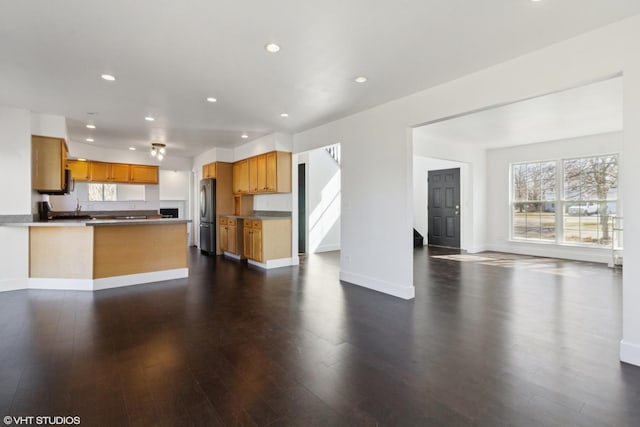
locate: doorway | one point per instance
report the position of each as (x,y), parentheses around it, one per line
(444,207)
(302,209)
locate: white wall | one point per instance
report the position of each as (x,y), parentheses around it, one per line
(498,164)
(273,202)
(376,212)
(323,202)
(49,125)
(273,142)
(15,195)
(15,161)
(174,185)
(421,168)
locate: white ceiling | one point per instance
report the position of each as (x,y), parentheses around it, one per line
(587,110)
(168,56)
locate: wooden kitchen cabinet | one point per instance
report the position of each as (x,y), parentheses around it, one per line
(48,163)
(241,177)
(271,166)
(79,169)
(120,172)
(110,172)
(223,236)
(232,236)
(144,174)
(99,171)
(262,173)
(228,235)
(266,173)
(209,170)
(267,239)
(253,240)
(253,174)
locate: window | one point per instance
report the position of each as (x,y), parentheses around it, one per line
(589,199)
(102,192)
(534,201)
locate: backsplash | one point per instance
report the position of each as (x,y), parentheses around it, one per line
(80,193)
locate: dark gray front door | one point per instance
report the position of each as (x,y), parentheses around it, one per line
(444,208)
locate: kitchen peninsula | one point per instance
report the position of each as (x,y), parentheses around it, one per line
(96,254)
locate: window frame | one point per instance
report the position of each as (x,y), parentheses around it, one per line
(102,188)
(512,202)
(561,202)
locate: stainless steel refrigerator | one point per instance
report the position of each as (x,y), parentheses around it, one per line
(208,216)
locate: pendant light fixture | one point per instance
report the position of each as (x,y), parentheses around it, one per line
(158,150)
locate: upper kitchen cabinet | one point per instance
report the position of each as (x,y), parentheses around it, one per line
(113,172)
(209,170)
(241,177)
(49,161)
(253,174)
(109,172)
(79,169)
(144,174)
(270,173)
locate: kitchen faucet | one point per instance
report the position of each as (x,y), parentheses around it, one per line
(78,207)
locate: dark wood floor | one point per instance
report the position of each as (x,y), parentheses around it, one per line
(489,341)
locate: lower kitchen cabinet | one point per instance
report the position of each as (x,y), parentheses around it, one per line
(228,235)
(267,239)
(253,240)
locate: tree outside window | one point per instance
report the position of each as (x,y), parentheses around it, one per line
(99,192)
(533,201)
(590,198)
(589,188)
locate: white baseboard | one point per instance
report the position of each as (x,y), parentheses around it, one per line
(61,284)
(273,263)
(137,279)
(404,292)
(327,248)
(476,249)
(107,282)
(13,284)
(630,353)
(599,255)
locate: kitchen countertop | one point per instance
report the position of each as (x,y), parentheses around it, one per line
(262,215)
(97,222)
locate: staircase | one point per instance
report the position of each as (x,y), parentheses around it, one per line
(334,152)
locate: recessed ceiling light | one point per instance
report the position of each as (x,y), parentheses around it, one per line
(284,115)
(244,136)
(108,77)
(211,99)
(90,126)
(89,140)
(272,47)
(149,119)
(132,148)
(360,79)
